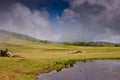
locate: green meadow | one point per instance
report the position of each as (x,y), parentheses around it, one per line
(38,58)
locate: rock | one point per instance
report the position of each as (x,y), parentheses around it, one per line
(5,53)
(76,52)
(9,54)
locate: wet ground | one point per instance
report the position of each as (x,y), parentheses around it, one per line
(96,70)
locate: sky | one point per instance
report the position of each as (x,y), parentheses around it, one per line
(63,20)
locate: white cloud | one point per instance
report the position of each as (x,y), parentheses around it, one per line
(34,23)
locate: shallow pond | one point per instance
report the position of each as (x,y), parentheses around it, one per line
(96,70)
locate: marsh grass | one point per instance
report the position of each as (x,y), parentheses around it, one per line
(38,58)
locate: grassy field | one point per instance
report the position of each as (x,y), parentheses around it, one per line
(38,58)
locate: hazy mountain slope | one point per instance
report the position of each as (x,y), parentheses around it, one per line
(16,38)
(6,36)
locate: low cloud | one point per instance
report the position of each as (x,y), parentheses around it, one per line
(84,20)
(18,18)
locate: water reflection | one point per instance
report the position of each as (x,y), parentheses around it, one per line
(97,70)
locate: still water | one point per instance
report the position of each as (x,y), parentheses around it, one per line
(96,70)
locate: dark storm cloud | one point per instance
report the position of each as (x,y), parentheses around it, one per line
(6,3)
(97,11)
(5,8)
(100,17)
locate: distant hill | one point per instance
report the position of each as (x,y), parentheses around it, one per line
(94,44)
(6,36)
(16,38)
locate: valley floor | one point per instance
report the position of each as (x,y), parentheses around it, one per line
(38,58)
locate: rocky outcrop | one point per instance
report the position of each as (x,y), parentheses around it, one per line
(5,53)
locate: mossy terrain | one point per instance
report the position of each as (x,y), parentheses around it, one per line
(37,58)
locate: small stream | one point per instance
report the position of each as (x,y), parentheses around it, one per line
(96,70)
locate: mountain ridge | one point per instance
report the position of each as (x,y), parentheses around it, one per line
(7,36)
